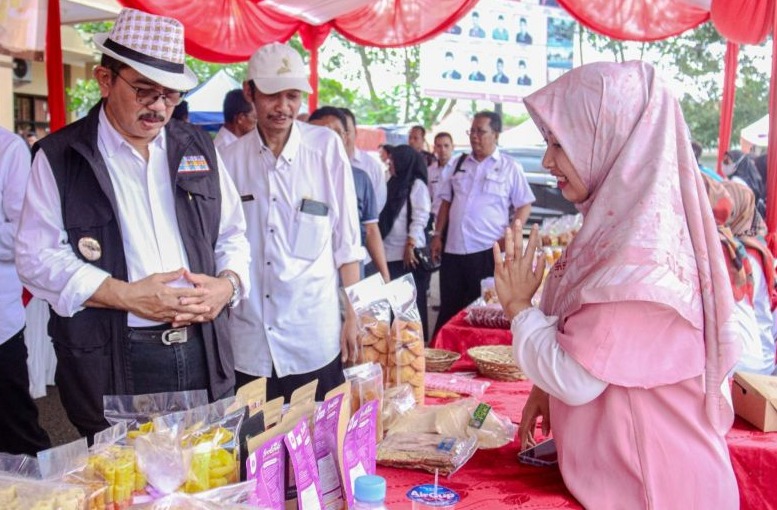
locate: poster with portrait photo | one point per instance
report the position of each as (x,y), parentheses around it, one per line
(457,65)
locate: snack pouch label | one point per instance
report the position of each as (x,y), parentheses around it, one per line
(303,462)
(267,465)
(326,421)
(479,415)
(360,449)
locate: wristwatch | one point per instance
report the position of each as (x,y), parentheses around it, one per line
(235,281)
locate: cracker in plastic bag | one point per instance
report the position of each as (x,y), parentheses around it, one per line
(231,497)
(455,384)
(406,361)
(18,493)
(470,418)
(373,313)
(427,451)
(366,385)
(397,402)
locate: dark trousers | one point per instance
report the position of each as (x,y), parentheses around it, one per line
(422,279)
(153,368)
(158,368)
(460,277)
(19,428)
(329,377)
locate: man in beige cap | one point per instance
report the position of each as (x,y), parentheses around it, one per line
(298,195)
(134,233)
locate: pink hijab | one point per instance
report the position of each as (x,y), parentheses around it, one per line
(649,233)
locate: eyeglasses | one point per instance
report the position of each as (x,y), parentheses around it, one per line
(478,132)
(148,96)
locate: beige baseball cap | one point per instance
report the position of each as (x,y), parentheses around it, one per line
(275,67)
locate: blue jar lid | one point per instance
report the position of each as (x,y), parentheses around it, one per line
(427,495)
(370,489)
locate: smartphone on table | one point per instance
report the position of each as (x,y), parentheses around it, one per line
(543,454)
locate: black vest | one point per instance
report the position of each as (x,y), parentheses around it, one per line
(89,210)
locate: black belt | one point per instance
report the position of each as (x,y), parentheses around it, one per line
(164,334)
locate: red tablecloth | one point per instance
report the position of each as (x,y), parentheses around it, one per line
(458,336)
(494,480)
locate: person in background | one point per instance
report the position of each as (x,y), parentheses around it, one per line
(181,112)
(416,139)
(630,348)
(404,219)
(740,168)
(336,120)
(239,118)
(384,151)
(19,428)
(485,188)
(751,272)
(300,205)
(31,138)
(133,232)
(440,169)
(760,165)
(709,172)
(360,159)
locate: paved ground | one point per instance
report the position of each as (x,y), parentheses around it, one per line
(53,419)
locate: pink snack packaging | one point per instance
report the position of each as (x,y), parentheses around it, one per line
(330,424)
(360,449)
(267,466)
(303,462)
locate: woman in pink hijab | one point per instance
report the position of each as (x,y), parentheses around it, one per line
(630,348)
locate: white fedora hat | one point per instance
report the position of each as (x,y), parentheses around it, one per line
(275,67)
(152,45)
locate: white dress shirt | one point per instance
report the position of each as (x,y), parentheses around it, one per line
(292,318)
(758,346)
(376,173)
(394,243)
(14,171)
(481,194)
(224,138)
(437,175)
(149,228)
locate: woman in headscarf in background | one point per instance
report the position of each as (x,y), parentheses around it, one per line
(752,265)
(404,219)
(740,168)
(630,348)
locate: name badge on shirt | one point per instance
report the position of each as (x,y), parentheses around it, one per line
(193,164)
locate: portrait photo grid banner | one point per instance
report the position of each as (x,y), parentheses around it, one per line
(502,51)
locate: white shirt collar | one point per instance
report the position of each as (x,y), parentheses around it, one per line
(290,150)
(113,141)
(496,156)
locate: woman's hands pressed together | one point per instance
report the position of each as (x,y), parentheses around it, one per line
(517,277)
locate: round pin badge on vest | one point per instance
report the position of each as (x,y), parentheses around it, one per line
(90,248)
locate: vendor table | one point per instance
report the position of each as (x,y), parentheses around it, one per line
(495,480)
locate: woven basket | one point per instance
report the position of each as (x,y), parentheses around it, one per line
(439,360)
(496,362)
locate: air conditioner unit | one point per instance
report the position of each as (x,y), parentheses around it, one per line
(22,70)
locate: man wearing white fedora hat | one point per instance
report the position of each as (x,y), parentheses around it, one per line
(134,234)
(298,195)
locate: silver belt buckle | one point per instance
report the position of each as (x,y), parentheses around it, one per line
(175,336)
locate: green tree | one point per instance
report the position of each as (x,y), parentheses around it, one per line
(696,59)
(86,93)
